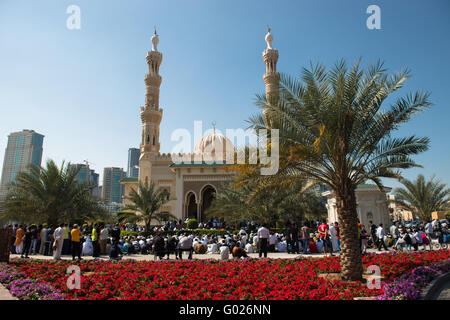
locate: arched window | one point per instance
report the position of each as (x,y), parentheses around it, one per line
(153,140)
(166,193)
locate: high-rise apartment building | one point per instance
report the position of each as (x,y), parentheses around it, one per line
(112,190)
(23,149)
(133,162)
(87,175)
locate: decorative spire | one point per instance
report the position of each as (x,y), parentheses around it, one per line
(269,38)
(155,41)
(214,126)
(271,77)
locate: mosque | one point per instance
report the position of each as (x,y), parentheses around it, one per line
(190,182)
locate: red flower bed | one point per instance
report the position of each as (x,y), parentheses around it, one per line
(251,279)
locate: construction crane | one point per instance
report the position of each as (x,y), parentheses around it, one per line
(87,162)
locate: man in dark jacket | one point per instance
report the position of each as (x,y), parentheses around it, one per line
(287,235)
(27,241)
(171,246)
(159,246)
(115,233)
(373,233)
(294,238)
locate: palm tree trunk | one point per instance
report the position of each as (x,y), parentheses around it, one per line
(147,225)
(351,263)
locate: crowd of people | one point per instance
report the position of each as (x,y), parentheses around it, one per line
(309,238)
(59,240)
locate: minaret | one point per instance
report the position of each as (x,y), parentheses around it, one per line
(151,114)
(271,77)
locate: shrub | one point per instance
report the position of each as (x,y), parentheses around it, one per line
(192,224)
(100,222)
(124,233)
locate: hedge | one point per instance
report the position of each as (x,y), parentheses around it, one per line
(196,232)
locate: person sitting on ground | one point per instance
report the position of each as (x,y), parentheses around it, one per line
(232,242)
(249,248)
(238,252)
(88,248)
(136,247)
(224,251)
(141,245)
(200,248)
(213,248)
(273,240)
(282,246)
(319,244)
(130,246)
(313,246)
(125,246)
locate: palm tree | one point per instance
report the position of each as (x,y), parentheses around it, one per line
(333,130)
(145,205)
(422,197)
(51,195)
(230,204)
(265,202)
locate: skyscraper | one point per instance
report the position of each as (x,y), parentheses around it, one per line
(112,190)
(84,173)
(24,148)
(87,175)
(133,162)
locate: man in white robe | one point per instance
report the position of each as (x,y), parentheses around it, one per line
(333,237)
(224,251)
(58,235)
(88,248)
(43,238)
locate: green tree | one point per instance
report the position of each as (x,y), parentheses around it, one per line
(145,206)
(51,195)
(422,197)
(268,203)
(334,130)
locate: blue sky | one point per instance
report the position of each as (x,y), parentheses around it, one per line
(83,88)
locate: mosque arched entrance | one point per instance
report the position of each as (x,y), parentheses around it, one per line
(191,206)
(207,195)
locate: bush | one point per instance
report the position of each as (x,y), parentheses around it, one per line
(100,222)
(192,224)
(195,232)
(124,233)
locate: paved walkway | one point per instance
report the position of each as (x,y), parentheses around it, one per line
(151,257)
(439,289)
(5,295)
(445,293)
